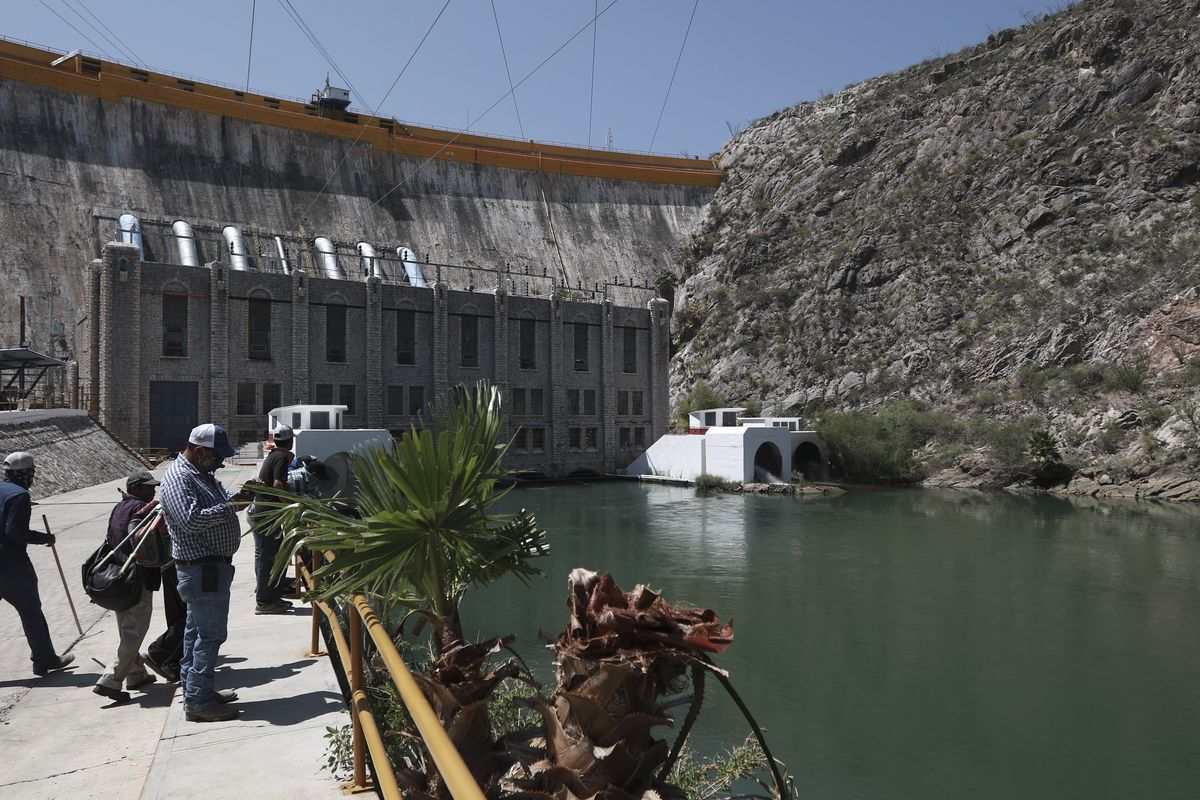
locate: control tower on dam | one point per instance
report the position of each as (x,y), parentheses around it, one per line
(84,141)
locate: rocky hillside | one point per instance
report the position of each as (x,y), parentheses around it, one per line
(1012,231)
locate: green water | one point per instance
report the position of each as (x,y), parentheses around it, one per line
(913,644)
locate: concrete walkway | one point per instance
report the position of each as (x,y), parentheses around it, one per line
(59,740)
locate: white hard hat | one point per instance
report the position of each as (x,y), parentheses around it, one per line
(20,460)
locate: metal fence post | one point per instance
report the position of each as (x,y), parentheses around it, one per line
(315,650)
(356,686)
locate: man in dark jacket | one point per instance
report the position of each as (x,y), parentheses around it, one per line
(268,596)
(126,666)
(18,580)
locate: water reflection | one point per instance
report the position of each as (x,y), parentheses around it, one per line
(914,644)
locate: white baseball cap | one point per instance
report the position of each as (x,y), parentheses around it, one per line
(212,436)
(19,460)
(282,431)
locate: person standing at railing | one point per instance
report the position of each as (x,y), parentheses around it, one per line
(268,596)
(126,667)
(18,580)
(205,533)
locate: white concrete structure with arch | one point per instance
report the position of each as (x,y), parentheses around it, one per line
(750,450)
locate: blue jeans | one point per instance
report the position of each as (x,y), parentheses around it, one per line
(204,632)
(19,587)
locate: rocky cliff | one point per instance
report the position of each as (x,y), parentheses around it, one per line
(1008,232)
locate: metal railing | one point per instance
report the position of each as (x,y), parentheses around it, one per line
(365,733)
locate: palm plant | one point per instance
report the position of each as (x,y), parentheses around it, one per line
(424,533)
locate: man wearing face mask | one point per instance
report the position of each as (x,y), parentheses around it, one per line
(205,533)
(18,580)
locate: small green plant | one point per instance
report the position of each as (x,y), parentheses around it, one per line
(1043,448)
(339,751)
(1112,436)
(712,779)
(1129,377)
(708,483)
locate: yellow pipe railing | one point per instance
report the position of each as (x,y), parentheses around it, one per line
(365,730)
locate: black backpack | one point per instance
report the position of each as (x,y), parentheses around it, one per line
(113,586)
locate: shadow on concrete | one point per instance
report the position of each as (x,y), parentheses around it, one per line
(291,710)
(158,695)
(258,676)
(67,677)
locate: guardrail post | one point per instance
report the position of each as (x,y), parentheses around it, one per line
(315,650)
(299,579)
(356,685)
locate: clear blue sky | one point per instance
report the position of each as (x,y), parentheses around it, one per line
(743,59)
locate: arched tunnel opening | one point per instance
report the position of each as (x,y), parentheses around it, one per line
(768,464)
(807,461)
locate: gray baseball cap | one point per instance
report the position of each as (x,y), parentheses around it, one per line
(19,460)
(141,478)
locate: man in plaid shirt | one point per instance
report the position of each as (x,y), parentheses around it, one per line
(205,533)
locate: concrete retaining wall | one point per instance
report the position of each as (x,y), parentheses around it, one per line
(70,451)
(69,162)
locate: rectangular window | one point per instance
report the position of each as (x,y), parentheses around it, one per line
(623,438)
(406,336)
(469,328)
(636,409)
(630,359)
(729,419)
(258,335)
(537,404)
(296,421)
(581,346)
(272,397)
(323,394)
(518,402)
(175,323)
(528,359)
(639,437)
(346,396)
(589,438)
(574,438)
(416,399)
(538,440)
(521,440)
(395,400)
(245,399)
(335,334)
(622,403)
(589,402)
(319,420)
(573,402)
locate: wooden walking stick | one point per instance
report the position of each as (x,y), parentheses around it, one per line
(63,577)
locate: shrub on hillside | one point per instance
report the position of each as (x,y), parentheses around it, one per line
(879,447)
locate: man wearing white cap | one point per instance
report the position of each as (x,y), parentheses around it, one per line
(268,596)
(205,533)
(18,580)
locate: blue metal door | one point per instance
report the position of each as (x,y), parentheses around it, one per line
(174,411)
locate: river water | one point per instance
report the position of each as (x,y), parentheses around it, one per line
(911,644)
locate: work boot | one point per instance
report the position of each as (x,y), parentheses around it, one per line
(226,695)
(274,607)
(162,670)
(217,713)
(138,683)
(63,663)
(116,695)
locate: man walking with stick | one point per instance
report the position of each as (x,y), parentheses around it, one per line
(18,580)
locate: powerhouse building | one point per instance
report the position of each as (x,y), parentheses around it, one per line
(584,382)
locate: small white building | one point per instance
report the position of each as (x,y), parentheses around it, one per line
(723,443)
(319,432)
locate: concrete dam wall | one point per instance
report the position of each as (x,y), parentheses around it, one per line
(69,163)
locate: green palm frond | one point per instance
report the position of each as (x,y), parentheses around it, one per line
(423,533)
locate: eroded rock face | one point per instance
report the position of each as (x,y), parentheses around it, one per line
(1032,202)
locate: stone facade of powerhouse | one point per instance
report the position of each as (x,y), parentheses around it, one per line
(127,356)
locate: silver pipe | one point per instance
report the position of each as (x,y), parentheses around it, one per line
(239,258)
(185,243)
(327,257)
